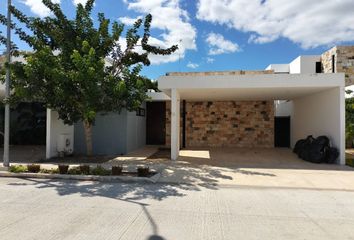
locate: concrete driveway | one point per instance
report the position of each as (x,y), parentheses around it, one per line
(210,167)
(276,167)
(63,210)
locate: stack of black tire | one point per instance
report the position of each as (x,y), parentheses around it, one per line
(316,150)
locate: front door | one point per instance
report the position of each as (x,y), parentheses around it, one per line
(282,132)
(155,123)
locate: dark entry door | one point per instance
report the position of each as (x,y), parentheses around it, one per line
(155,123)
(282,132)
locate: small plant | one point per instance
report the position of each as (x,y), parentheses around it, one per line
(33,168)
(63,169)
(85,169)
(143,171)
(117,170)
(18,168)
(99,170)
(49,171)
(350,162)
(74,171)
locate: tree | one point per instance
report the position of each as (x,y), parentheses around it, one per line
(69,71)
(349,120)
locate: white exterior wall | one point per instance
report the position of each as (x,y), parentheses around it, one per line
(279,68)
(295,66)
(136,130)
(283,108)
(320,114)
(304,64)
(308,64)
(55,127)
(158,96)
(350,88)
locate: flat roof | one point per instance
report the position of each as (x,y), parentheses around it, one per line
(221,73)
(249,87)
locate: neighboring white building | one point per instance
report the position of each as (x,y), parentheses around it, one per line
(339,59)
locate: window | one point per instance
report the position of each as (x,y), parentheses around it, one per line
(318,67)
(333,63)
(140,112)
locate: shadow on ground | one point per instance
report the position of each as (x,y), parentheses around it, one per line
(127,192)
(190,173)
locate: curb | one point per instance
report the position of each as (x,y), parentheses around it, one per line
(152,179)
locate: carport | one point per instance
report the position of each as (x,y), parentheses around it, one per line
(318,99)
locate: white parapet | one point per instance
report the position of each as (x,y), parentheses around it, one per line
(158,96)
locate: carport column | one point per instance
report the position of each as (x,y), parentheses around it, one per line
(342,125)
(48,137)
(175,121)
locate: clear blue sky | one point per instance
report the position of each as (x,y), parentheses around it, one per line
(225,35)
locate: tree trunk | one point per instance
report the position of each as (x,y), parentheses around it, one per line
(88,137)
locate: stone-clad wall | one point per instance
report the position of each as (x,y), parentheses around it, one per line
(326,60)
(344,62)
(228,123)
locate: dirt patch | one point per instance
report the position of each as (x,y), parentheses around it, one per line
(349,153)
(79,160)
(162,153)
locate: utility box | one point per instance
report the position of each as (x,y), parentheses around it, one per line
(65,144)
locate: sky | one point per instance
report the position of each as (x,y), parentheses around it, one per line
(217,35)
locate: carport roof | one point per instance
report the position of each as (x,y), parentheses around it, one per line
(249,87)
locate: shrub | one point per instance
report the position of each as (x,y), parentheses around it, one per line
(33,168)
(349,122)
(99,170)
(43,170)
(63,169)
(17,169)
(350,162)
(49,171)
(117,170)
(74,171)
(143,171)
(85,169)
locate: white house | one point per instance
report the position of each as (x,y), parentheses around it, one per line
(261,108)
(271,108)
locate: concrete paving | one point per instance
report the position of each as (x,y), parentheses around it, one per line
(49,210)
(276,167)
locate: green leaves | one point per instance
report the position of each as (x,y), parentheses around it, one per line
(79,69)
(349,120)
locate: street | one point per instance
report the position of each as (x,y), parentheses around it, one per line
(43,209)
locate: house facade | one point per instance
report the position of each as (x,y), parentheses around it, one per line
(270,108)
